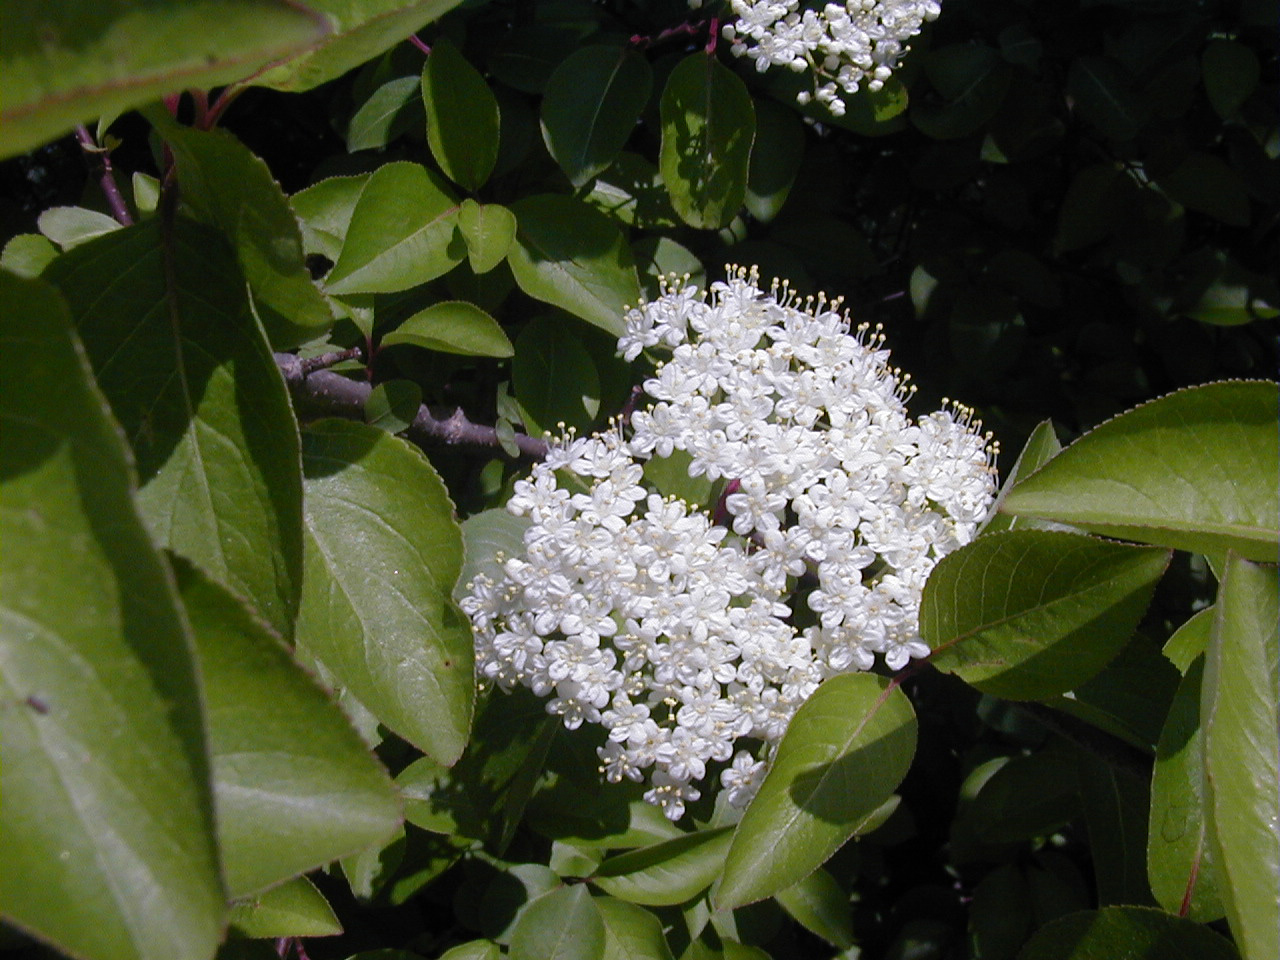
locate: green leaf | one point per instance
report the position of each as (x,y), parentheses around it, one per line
(66,62)
(462,117)
(1027,614)
(193,384)
(555,379)
(973,81)
(631,932)
(843,754)
(1241,728)
(324,212)
(1180,863)
(590,108)
(485,535)
(1116,802)
(361,29)
(388,113)
(579,816)
(27,254)
(483,795)
(561,925)
(403,232)
(776,156)
(1193,470)
(1126,933)
(819,905)
(570,255)
(233,190)
(1093,207)
(1189,640)
(488,230)
(668,872)
(393,405)
(1027,797)
(1209,185)
(708,125)
(294,786)
(71,226)
(1231,71)
(453,326)
(383,552)
(474,950)
(1041,447)
(107,825)
(1106,95)
(658,257)
(293,909)
(631,191)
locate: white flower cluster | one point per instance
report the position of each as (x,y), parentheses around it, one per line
(844,44)
(684,629)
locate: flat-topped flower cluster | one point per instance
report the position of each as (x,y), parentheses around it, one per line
(693,631)
(845,44)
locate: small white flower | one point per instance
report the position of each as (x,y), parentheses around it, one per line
(671,624)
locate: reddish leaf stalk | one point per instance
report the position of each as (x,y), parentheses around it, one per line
(110,189)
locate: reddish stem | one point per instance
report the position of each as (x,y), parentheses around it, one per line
(426,50)
(110,189)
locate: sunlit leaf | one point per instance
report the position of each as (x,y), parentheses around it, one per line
(383,551)
(462,117)
(665,873)
(1194,470)
(293,909)
(561,925)
(453,326)
(845,751)
(106,823)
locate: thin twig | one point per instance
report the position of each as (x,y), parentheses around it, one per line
(111,189)
(324,392)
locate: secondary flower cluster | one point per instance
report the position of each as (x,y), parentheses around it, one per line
(685,629)
(844,44)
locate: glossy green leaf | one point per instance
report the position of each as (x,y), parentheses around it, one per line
(383,552)
(1025,615)
(393,405)
(361,29)
(555,379)
(1180,863)
(1126,933)
(474,950)
(462,117)
(193,384)
(293,909)
(324,212)
(403,232)
(572,256)
(27,254)
(71,226)
(819,905)
(453,326)
(776,156)
(388,113)
(231,189)
(294,786)
(66,62)
(1041,447)
(708,125)
(1231,71)
(1189,640)
(1105,94)
(1240,721)
(488,230)
(631,932)
(590,108)
(1194,470)
(668,872)
(561,925)
(843,754)
(99,682)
